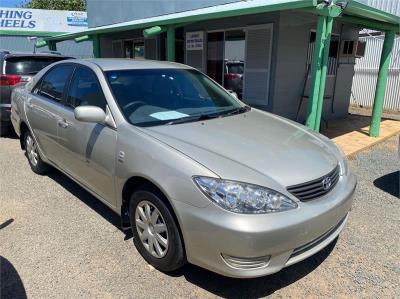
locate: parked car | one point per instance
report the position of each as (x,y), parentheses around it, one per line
(196,174)
(233,78)
(15,69)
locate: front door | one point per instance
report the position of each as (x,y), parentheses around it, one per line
(88,149)
(43,108)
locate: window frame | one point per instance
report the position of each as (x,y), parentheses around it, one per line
(37,88)
(77,66)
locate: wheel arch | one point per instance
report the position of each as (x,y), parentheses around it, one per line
(23,128)
(134,183)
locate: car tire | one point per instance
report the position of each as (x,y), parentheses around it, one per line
(166,252)
(33,155)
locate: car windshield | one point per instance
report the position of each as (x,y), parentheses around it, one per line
(152,97)
(21,65)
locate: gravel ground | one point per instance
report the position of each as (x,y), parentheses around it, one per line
(57,241)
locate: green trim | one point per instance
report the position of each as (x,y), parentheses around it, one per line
(355,8)
(370,24)
(83,38)
(316,73)
(324,70)
(29,33)
(171,43)
(173,20)
(152,31)
(381,83)
(96,46)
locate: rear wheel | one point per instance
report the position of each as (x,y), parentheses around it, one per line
(155,232)
(32,153)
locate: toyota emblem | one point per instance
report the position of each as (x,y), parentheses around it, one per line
(326,183)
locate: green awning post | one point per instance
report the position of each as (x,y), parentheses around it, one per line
(171,43)
(52,45)
(96,46)
(324,69)
(381,83)
(316,73)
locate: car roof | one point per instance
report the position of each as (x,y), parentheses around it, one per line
(6,54)
(112,64)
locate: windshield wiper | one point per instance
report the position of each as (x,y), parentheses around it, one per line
(192,118)
(239,110)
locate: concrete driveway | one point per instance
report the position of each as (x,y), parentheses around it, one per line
(57,241)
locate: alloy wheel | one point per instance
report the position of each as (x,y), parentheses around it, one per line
(152,230)
(31,150)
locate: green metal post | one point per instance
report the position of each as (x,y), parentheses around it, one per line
(96,46)
(324,69)
(52,45)
(381,83)
(171,43)
(316,73)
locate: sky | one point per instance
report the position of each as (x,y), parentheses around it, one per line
(10,3)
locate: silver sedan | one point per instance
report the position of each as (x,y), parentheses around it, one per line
(197,175)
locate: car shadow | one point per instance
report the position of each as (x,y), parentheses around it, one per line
(11,285)
(207,280)
(88,199)
(256,287)
(389,183)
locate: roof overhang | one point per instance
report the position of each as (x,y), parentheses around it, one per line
(356,13)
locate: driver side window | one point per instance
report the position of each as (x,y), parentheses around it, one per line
(85,90)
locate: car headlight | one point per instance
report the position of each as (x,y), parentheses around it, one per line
(242,197)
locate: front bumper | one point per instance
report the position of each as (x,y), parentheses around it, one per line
(284,238)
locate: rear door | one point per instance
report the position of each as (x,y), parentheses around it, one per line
(88,150)
(43,108)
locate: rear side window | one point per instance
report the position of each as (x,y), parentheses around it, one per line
(28,65)
(85,90)
(53,83)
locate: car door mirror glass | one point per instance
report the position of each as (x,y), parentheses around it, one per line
(91,114)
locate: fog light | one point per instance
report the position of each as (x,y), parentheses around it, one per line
(246,263)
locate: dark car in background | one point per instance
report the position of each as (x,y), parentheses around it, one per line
(18,68)
(233,78)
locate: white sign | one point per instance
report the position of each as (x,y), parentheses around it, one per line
(21,19)
(194,40)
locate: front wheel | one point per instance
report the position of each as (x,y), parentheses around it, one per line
(155,232)
(32,153)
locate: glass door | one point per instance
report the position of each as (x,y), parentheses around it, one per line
(215,55)
(128,49)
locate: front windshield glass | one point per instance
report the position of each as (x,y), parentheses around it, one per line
(154,97)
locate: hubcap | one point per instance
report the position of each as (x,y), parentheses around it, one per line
(31,150)
(152,229)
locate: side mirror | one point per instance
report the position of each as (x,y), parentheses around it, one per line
(90,114)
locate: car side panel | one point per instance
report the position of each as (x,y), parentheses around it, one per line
(42,115)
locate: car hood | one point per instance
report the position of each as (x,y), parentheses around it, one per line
(261,142)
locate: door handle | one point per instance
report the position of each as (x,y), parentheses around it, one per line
(63,124)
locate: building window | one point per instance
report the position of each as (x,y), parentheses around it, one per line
(333,53)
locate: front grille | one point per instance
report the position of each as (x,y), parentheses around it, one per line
(316,188)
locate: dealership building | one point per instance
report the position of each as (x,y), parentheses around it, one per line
(21,29)
(294,58)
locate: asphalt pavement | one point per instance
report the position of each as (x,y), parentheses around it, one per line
(58,241)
